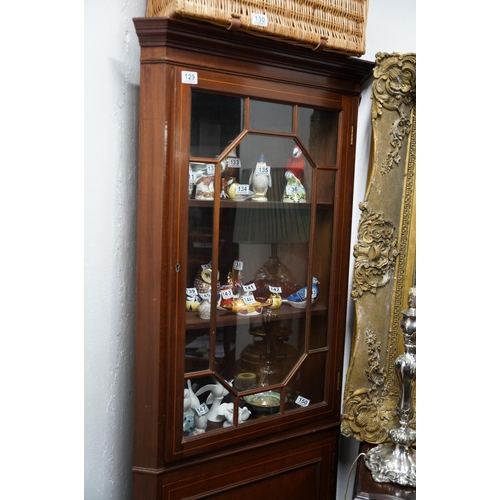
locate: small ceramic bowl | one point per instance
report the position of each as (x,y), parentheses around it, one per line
(264,403)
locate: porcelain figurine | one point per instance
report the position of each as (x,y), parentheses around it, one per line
(193,300)
(241,308)
(217,393)
(229,173)
(232,188)
(227,411)
(200,421)
(205,308)
(188,416)
(294,171)
(203,280)
(191,181)
(260,179)
(275,300)
(299,298)
(205,188)
(295,164)
(237,191)
(225,297)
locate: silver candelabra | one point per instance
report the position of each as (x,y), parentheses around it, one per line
(396,462)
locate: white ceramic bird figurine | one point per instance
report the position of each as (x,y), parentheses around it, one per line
(217,394)
(260,179)
(200,421)
(299,298)
(226,410)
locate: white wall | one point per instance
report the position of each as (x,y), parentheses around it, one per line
(111,106)
(111,92)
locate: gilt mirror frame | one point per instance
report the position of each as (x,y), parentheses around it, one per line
(385,253)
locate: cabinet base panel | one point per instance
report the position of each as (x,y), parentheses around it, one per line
(295,469)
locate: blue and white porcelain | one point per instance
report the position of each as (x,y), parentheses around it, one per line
(299,298)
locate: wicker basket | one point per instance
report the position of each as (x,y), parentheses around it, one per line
(335,25)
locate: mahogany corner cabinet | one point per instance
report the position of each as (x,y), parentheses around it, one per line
(245,180)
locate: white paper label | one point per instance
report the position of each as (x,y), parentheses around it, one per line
(210,168)
(226,293)
(238,265)
(274,289)
(205,296)
(263,170)
(202,409)
(292,190)
(206,266)
(243,189)
(248,299)
(302,401)
(190,77)
(249,288)
(234,163)
(259,20)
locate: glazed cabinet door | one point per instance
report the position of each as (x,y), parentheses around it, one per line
(256,166)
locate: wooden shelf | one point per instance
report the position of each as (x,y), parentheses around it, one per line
(227,318)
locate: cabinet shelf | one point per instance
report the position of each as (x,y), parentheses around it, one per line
(226,318)
(224,204)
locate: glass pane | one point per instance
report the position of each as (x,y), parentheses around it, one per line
(216,120)
(278,154)
(307,387)
(198,279)
(208,404)
(270,116)
(322,242)
(265,262)
(318,130)
(257,323)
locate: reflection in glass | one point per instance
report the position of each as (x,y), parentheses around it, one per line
(271,244)
(208,403)
(318,130)
(270,116)
(198,279)
(309,380)
(278,153)
(216,120)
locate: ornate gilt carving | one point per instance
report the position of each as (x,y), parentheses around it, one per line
(375,252)
(394,90)
(384,266)
(365,408)
(395,82)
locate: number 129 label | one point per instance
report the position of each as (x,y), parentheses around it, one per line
(190,77)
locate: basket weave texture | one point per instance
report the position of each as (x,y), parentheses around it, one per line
(335,25)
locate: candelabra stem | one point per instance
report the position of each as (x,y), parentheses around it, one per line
(396,462)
